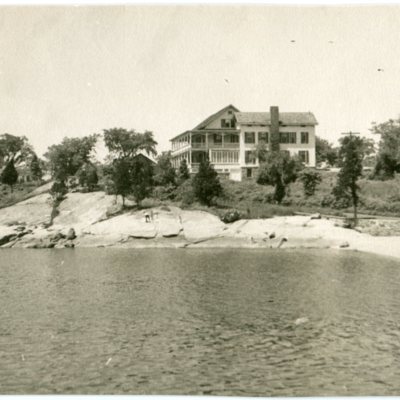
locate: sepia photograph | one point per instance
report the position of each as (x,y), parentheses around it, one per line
(200,199)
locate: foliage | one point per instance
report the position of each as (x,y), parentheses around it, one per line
(351,155)
(325,152)
(183,171)
(87,176)
(230,216)
(141,178)
(184,193)
(388,157)
(130,176)
(206,183)
(278,170)
(35,168)
(163,193)
(9,175)
(122,143)
(119,172)
(164,171)
(66,158)
(58,190)
(14,148)
(310,179)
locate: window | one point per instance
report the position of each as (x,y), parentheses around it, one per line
(233,138)
(225,156)
(287,137)
(227,123)
(217,138)
(249,172)
(304,137)
(249,157)
(262,137)
(304,157)
(249,137)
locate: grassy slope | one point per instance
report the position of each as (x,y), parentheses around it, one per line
(22,191)
(377,198)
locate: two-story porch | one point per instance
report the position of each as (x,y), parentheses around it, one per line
(220,146)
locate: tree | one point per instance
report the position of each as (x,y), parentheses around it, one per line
(87,176)
(130,173)
(351,155)
(36,169)
(164,171)
(14,148)
(206,184)
(325,152)
(388,157)
(9,175)
(310,179)
(120,174)
(183,171)
(141,171)
(278,170)
(57,191)
(66,158)
(122,143)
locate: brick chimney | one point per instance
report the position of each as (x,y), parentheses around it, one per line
(274,129)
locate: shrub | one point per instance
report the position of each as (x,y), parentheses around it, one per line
(58,190)
(230,216)
(163,193)
(206,184)
(310,179)
(185,193)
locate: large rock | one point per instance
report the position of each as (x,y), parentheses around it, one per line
(130,224)
(7,233)
(34,211)
(200,225)
(81,210)
(168,225)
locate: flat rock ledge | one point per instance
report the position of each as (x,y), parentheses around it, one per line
(96,220)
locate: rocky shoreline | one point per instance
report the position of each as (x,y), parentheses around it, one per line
(96,220)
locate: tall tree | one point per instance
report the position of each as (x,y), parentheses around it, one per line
(66,158)
(388,157)
(122,143)
(141,178)
(9,175)
(351,155)
(120,173)
(130,174)
(279,170)
(206,184)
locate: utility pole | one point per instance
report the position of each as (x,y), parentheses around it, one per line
(350,133)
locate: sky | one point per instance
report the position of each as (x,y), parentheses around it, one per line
(76,70)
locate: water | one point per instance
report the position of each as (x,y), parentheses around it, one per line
(218,322)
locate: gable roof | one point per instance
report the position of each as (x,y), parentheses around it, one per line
(285,118)
(147,157)
(203,124)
